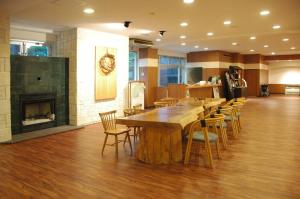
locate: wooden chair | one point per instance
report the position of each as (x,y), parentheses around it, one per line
(204,136)
(230,117)
(160,104)
(237,106)
(138,107)
(170,101)
(220,128)
(136,129)
(110,128)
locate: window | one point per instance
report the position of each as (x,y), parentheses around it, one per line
(28,48)
(133,65)
(171,70)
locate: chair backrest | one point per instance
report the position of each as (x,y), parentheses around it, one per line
(128,112)
(214,121)
(108,120)
(170,101)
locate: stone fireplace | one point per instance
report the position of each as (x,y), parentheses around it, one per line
(38,111)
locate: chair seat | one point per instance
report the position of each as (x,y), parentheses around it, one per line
(117,131)
(198,135)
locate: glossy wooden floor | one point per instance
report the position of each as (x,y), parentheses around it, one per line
(263,163)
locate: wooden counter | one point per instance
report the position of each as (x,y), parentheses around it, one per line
(160,142)
(202,92)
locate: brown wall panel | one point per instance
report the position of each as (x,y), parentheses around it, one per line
(277,88)
(203,56)
(252,77)
(252,59)
(161,92)
(150,76)
(208,72)
(177,90)
(146,53)
(282,57)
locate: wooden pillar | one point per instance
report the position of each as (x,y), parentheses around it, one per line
(148,72)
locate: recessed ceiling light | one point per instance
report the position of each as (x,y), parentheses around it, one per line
(158,40)
(252,38)
(205,48)
(196,46)
(88,10)
(266,46)
(184,24)
(264,12)
(285,39)
(183,44)
(275,27)
(293,48)
(210,34)
(227,22)
(273,53)
(188,1)
(182,37)
(234,43)
(251,50)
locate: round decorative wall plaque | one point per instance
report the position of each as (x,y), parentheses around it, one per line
(107,63)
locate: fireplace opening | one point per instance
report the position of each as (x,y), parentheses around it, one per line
(38,111)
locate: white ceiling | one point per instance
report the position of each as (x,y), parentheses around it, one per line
(203,16)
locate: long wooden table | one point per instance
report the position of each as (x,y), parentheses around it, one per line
(160,142)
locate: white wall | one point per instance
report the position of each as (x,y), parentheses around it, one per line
(87,107)
(284,75)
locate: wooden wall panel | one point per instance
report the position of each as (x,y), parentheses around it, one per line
(282,57)
(177,90)
(252,59)
(150,76)
(252,79)
(161,92)
(206,56)
(208,72)
(277,88)
(148,53)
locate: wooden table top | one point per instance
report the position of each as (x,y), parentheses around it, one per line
(180,115)
(204,86)
(177,116)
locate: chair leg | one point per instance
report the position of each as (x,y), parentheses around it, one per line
(134,133)
(222,136)
(129,143)
(125,139)
(209,155)
(234,129)
(218,149)
(239,122)
(188,150)
(105,140)
(116,143)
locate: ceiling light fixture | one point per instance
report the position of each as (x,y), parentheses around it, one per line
(158,40)
(182,37)
(188,1)
(205,48)
(184,24)
(252,38)
(273,53)
(252,50)
(210,34)
(88,10)
(162,32)
(234,43)
(293,48)
(227,22)
(266,46)
(275,27)
(183,44)
(264,12)
(285,39)
(196,46)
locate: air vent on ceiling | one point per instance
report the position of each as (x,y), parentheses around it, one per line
(134,42)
